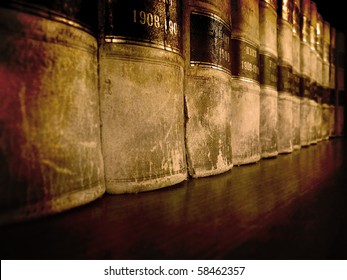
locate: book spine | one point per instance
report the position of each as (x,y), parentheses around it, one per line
(206,41)
(340,83)
(296,47)
(141,92)
(313,75)
(319,93)
(285,76)
(245,85)
(325,81)
(268,77)
(305,69)
(50,147)
(332,82)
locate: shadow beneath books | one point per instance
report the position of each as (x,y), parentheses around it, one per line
(292,207)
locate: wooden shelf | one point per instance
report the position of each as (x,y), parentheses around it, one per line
(289,207)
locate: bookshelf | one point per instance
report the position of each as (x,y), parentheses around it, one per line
(291,207)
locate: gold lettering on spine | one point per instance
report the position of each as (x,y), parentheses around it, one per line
(144,22)
(209,40)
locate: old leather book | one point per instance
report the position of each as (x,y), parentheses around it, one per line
(206,40)
(313,75)
(285,76)
(50,150)
(245,101)
(141,92)
(325,81)
(296,47)
(305,70)
(319,92)
(268,77)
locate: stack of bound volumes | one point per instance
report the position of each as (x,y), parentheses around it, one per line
(132,96)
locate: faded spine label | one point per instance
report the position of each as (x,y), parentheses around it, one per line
(209,41)
(268,70)
(296,84)
(157,23)
(245,60)
(304,86)
(285,78)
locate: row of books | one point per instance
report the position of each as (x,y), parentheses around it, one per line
(131,96)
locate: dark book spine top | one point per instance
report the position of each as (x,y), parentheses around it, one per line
(79,13)
(153,23)
(210,39)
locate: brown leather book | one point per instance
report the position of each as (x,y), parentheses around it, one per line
(141,92)
(268,77)
(325,81)
(285,76)
(296,48)
(50,147)
(305,73)
(319,92)
(332,83)
(207,92)
(313,75)
(245,99)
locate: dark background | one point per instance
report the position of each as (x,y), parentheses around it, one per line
(334,12)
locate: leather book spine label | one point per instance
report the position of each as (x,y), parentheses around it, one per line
(209,41)
(245,57)
(296,84)
(304,86)
(268,73)
(154,23)
(285,78)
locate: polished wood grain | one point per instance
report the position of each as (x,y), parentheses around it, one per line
(290,207)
